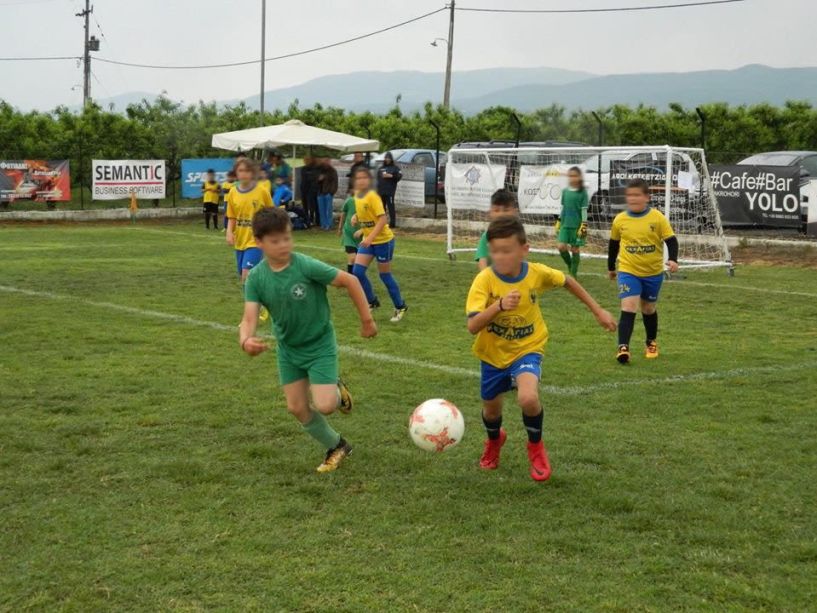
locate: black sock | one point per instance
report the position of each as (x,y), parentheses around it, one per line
(651,325)
(533,424)
(350,268)
(625,327)
(492,427)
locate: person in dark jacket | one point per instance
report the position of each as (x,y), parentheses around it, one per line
(309,188)
(388,177)
(327,186)
(357,162)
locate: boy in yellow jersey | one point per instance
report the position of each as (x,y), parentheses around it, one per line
(244,200)
(636,249)
(226,186)
(210,190)
(377,242)
(263,180)
(504,314)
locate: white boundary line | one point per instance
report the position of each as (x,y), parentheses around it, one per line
(680,282)
(577,390)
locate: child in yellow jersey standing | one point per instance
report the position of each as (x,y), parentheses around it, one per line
(377,242)
(504,314)
(226,186)
(636,250)
(210,190)
(244,200)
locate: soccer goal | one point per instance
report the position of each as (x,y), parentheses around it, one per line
(678,180)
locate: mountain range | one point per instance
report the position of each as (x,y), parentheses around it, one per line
(527,89)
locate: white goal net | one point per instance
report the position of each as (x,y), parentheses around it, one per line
(678,179)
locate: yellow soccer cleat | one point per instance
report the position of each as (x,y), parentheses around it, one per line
(623,354)
(346,401)
(263,314)
(651,352)
(335,456)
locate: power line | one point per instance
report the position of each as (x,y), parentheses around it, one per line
(40,59)
(620,9)
(277,57)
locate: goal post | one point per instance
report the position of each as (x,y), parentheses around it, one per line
(678,179)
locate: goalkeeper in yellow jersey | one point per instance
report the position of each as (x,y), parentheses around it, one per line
(504,315)
(635,259)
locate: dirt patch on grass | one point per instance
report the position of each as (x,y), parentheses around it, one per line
(770,255)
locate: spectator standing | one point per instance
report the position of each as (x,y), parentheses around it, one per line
(279,169)
(309,189)
(327,186)
(357,162)
(388,177)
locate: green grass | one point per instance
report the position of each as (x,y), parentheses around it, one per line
(146,464)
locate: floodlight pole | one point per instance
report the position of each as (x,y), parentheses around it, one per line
(263,55)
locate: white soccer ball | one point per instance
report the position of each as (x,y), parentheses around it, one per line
(436,425)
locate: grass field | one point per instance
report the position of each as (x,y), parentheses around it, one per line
(146,464)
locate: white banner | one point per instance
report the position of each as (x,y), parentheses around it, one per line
(540,188)
(411,190)
(116,179)
(808,195)
(469,186)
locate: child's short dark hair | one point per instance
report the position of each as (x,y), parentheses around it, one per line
(504,198)
(270,221)
(506,227)
(210,171)
(640,184)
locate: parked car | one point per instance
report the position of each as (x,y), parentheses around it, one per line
(806,160)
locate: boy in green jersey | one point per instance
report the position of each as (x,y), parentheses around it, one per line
(346,231)
(572,222)
(292,286)
(503,203)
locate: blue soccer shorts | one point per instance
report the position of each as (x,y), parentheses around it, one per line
(647,288)
(383,252)
(246,259)
(495,381)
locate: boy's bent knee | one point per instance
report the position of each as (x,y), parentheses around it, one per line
(529,403)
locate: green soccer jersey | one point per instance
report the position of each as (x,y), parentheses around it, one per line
(482,248)
(296,299)
(348,235)
(574,208)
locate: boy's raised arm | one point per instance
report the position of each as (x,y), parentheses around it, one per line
(368,328)
(604,318)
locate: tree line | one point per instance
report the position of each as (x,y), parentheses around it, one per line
(164,129)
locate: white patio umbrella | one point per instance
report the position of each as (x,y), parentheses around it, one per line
(295,133)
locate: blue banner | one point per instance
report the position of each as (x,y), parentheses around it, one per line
(194,171)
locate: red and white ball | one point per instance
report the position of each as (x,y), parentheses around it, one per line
(436,425)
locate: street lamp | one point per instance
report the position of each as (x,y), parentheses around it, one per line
(447,90)
(436,40)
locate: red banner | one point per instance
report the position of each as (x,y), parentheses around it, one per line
(38,180)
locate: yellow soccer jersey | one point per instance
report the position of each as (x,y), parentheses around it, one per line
(368,209)
(242,206)
(512,334)
(266,184)
(226,187)
(210,191)
(642,237)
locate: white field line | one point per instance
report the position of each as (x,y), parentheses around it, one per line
(682,282)
(575,390)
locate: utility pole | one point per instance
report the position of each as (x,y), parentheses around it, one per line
(263,54)
(86,56)
(447,94)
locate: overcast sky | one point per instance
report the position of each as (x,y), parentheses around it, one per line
(774,32)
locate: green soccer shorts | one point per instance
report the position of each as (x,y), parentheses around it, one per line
(322,370)
(570,236)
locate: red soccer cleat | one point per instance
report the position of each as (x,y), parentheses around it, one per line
(490,456)
(539,463)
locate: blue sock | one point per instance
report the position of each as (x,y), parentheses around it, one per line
(360,272)
(394,289)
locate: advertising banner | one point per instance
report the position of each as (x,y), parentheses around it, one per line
(540,188)
(117,179)
(194,173)
(758,195)
(469,186)
(623,171)
(411,190)
(38,180)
